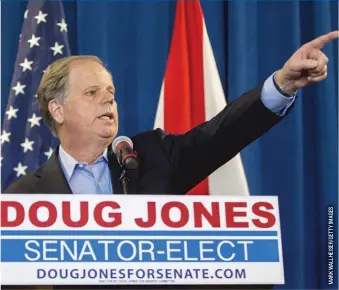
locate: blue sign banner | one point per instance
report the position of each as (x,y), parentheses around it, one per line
(91,240)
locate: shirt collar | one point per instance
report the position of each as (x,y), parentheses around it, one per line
(69,163)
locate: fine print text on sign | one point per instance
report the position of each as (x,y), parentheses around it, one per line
(95,239)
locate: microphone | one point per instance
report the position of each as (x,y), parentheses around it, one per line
(123,148)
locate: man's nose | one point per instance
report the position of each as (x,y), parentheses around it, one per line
(107,98)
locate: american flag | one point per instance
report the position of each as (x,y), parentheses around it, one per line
(26,142)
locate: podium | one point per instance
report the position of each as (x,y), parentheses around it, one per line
(140,242)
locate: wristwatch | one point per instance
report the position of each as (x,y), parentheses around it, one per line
(281,91)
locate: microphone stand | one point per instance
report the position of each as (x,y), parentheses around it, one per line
(125,180)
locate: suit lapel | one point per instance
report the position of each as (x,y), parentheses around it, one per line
(51,177)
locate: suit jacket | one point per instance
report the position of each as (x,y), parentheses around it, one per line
(172,164)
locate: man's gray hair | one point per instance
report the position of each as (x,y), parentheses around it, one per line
(54,85)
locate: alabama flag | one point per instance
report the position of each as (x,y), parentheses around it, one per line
(192,93)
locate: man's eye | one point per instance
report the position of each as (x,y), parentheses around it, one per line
(91,92)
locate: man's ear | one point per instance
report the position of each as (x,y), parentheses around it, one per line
(56,111)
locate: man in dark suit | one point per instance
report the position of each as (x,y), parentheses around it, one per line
(76,100)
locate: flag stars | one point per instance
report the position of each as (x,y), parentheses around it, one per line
(26,13)
(20,169)
(26,65)
(27,145)
(34,120)
(11,113)
(57,48)
(63,25)
(49,152)
(34,41)
(41,17)
(5,136)
(19,88)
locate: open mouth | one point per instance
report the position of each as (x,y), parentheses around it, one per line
(107,116)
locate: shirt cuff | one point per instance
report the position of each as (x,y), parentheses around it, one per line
(273,99)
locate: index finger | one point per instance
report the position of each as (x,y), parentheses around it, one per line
(321,41)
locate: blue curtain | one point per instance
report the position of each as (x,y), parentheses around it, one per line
(297,160)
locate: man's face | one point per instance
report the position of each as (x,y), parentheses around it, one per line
(90,110)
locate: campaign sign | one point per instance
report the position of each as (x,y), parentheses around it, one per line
(118,239)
